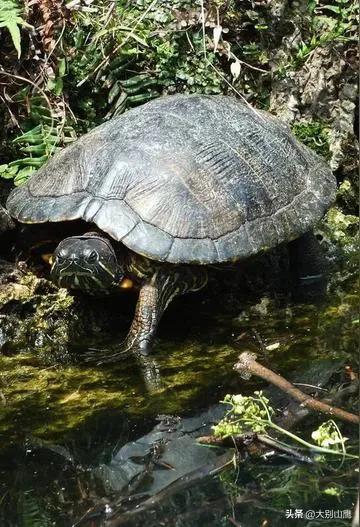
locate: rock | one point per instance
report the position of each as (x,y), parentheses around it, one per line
(323,89)
(173,452)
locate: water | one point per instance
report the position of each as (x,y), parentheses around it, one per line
(60,422)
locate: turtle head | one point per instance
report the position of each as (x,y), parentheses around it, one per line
(86,262)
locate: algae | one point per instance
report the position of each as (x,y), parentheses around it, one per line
(48,399)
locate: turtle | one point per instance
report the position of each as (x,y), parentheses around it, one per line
(170,188)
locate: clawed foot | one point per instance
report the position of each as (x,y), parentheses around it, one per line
(148,365)
(108,355)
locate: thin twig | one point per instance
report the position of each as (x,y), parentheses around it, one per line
(53,48)
(12,116)
(232,55)
(19,77)
(310,386)
(234,522)
(124,519)
(235,90)
(253,442)
(251,65)
(119,46)
(203,28)
(248,364)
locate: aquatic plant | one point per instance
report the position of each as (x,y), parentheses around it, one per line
(254,414)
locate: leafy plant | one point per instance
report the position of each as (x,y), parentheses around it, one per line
(329,24)
(144,50)
(39,142)
(328,435)
(315,135)
(11,19)
(343,22)
(32,511)
(253,413)
(56,83)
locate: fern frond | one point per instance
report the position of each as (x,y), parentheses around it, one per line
(38,143)
(32,511)
(11,19)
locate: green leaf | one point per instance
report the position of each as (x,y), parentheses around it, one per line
(15,35)
(139,40)
(9,173)
(29,161)
(114,92)
(333,8)
(41,142)
(10,18)
(23,175)
(62,67)
(34,132)
(59,85)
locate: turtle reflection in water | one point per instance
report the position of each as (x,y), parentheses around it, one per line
(170,188)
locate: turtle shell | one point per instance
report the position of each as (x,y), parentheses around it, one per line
(184,179)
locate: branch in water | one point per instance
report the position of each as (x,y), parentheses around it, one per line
(248,365)
(253,443)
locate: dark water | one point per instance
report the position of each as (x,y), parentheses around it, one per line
(60,423)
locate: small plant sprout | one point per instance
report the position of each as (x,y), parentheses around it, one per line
(328,435)
(254,414)
(246,413)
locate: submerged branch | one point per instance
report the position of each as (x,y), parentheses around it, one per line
(126,518)
(247,364)
(253,443)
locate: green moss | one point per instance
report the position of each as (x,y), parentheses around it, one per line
(340,232)
(50,400)
(35,314)
(53,399)
(348,192)
(315,135)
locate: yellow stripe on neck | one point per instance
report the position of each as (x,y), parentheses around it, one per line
(126,283)
(48,258)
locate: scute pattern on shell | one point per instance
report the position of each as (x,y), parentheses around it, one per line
(191,179)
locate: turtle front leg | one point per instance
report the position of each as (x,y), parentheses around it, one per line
(154,297)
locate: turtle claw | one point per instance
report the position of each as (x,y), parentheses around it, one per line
(117,352)
(106,355)
(113,354)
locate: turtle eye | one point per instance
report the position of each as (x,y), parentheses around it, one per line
(93,256)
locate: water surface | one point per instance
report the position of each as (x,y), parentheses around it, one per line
(60,422)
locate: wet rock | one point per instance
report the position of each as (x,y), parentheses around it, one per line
(164,455)
(342,114)
(35,315)
(323,90)
(33,312)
